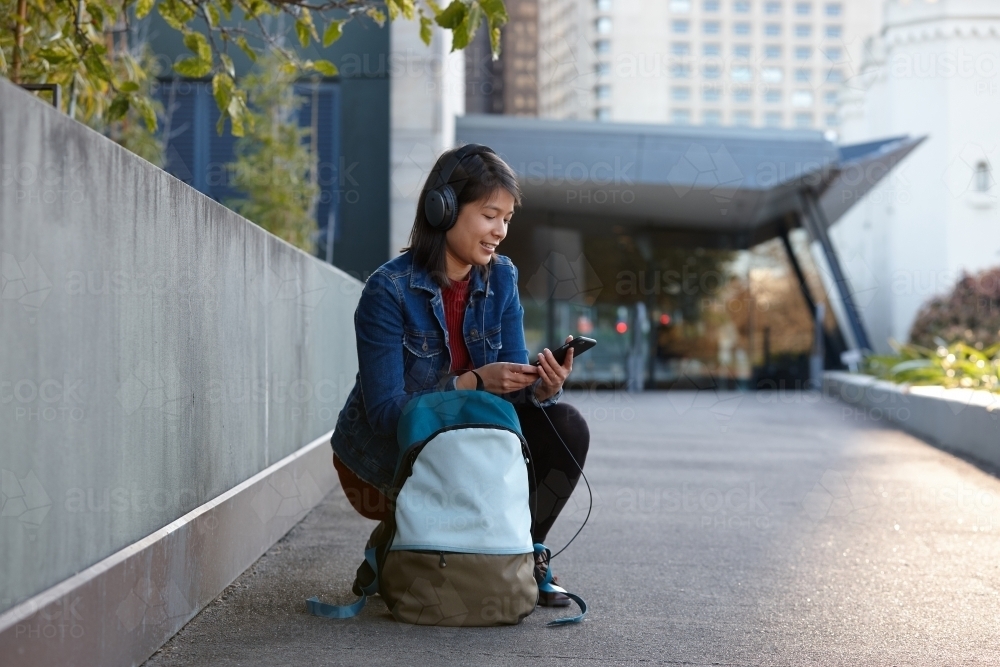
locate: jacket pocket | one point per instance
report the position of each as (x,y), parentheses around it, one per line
(423,359)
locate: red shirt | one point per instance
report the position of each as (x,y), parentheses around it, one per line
(455,300)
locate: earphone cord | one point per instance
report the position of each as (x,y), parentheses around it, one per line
(589,491)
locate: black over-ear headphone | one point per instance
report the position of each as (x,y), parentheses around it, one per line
(441,201)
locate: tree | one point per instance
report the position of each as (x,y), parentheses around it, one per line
(83,44)
(274,168)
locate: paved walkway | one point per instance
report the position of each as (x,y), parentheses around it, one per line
(735,529)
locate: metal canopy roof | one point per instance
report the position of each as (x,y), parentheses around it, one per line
(736,183)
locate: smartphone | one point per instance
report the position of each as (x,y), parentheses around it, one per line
(579,345)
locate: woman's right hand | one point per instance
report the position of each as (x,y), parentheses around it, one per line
(500,377)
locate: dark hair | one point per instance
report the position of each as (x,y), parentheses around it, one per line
(475,178)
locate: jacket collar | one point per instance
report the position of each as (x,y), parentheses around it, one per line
(421,279)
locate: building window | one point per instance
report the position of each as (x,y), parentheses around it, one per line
(803,53)
(772,51)
(680,93)
(772,96)
(604,5)
(833,9)
(741,28)
(803,119)
(830,97)
(710,5)
(834,31)
(742,118)
(771,75)
(711,49)
(711,27)
(983,179)
(741,50)
(803,8)
(773,119)
(602,114)
(602,46)
(835,75)
(803,30)
(741,94)
(772,7)
(803,75)
(741,7)
(833,53)
(602,69)
(680,5)
(711,117)
(680,48)
(603,92)
(680,70)
(711,94)
(741,73)
(680,116)
(802,98)
(711,72)
(772,29)
(680,27)
(603,25)
(832,120)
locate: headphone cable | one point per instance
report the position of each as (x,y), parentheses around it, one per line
(585,481)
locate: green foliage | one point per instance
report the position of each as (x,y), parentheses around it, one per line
(274,168)
(970,313)
(955,365)
(91,58)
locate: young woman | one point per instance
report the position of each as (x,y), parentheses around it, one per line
(445,315)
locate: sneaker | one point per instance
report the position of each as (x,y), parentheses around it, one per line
(553,598)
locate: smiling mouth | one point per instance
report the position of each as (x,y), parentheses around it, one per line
(488,246)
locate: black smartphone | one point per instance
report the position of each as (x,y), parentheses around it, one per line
(580,344)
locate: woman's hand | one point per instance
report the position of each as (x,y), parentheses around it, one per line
(500,377)
(553,375)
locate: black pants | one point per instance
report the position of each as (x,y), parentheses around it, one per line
(556,474)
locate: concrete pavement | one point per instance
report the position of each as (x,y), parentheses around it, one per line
(728,528)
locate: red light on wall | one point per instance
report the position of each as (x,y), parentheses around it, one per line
(664,319)
(621,327)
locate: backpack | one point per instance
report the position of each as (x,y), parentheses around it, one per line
(458,550)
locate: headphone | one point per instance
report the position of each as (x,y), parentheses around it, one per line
(441,201)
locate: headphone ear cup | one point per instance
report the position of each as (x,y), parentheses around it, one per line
(440,207)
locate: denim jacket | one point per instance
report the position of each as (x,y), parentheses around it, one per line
(403,352)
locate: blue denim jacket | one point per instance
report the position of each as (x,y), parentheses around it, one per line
(403,352)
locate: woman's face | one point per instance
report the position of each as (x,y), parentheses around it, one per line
(480,227)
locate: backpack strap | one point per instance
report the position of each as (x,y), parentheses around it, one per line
(317,608)
(546,586)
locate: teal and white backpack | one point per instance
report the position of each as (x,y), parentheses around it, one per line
(458,551)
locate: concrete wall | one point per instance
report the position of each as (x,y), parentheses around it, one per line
(156,349)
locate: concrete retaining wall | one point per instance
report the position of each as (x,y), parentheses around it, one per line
(960,420)
(156,350)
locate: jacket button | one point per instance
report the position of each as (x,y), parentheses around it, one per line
(424,346)
(475,333)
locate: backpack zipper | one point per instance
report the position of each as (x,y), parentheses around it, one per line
(442,563)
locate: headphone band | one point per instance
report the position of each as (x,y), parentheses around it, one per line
(448,168)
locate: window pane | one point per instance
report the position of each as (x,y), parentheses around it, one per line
(680,48)
(710,5)
(832,120)
(742,118)
(710,94)
(603,113)
(603,92)
(603,25)
(772,7)
(833,9)
(771,75)
(711,117)
(803,53)
(711,72)
(711,49)
(602,46)
(680,5)
(772,51)
(830,97)
(711,27)
(741,28)
(803,8)
(802,98)
(803,119)
(741,7)
(803,30)
(680,116)
(772,96)
(604,5)
(772,29)
(833,53)
(833,31)
(741,50)
(680,70)
(680,93)
(741,73)
(803,74)
(680,27)
(772,119)
(741,94)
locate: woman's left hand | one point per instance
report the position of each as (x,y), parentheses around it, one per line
(552,374)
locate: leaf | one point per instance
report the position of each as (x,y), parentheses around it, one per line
(168,10)
(227,7)
(451,17)
(333,31)
(378,15)
(222,90)
(193,68)
(227,62)
(241,42)
(213,15)
(302,30)
(118,108)
(426,30)
(466,30)
(129,87)
(495,12)
(305,27)
(325,67)
(198,43)
(142,7)
(236,111)
(96,65)
(145,109)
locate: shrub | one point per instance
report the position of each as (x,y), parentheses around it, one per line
(970,314)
